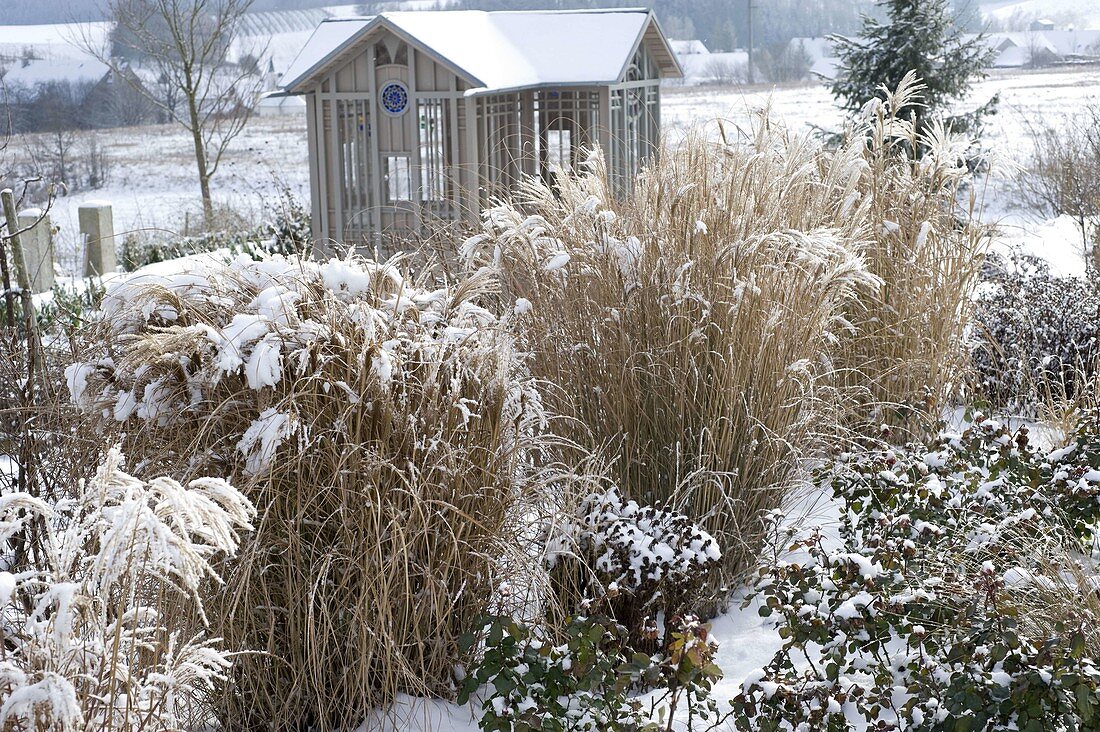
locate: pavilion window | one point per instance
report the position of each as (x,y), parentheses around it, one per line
(432,116)
(559,151)
(398,178)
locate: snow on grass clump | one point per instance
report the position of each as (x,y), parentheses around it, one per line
(389,433)
(691,325)
(88,642)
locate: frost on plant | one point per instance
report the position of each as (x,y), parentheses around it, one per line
(958,597)
(269,324)
(1036,338)
(645,559)
(388,429)
(88,638)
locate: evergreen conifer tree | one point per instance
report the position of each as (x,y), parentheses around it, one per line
(920,36)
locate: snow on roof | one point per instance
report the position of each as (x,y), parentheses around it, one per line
(688,47)
(1020,48)
(702,68)
(329,37)
(42,71)
(1073,42)
(496,50)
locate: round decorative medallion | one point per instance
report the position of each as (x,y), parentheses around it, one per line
(394,98)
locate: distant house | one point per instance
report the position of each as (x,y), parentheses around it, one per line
(701,66)
(421,117)
(70,93)
(1043,47)
(692,47)
(276,103)
(34,72)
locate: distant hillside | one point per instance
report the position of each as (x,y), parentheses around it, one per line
(1013,15)
(40,12)
(721,24)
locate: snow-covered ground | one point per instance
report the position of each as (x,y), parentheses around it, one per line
(1027,99)
(153,182)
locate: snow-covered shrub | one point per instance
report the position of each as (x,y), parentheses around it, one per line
(1037,336)
(956,598)
(646,561)
(690,325)
(589,679)
(288,233)
(389,436)
(85,618)
(1062,174)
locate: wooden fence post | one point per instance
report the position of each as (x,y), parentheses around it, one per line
(23,279)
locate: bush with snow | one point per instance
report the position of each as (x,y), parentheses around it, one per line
(647,561)
(288,233)
(1037,335)
(89,608)
(588,678)
(957,597)
(390,435)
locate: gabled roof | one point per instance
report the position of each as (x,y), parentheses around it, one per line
(44,71)
(688,47)
(499,51)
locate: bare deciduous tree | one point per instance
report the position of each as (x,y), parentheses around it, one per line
(186,45)
(724,72)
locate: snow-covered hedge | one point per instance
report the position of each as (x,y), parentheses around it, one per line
(92,635)
(389,434)
(957,596)
(586,677)
(647,561)
(1037,335)
(288,232)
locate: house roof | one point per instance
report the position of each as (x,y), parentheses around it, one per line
(688,47)
(1019,48)
(499,51)
(43,71)
(704,67)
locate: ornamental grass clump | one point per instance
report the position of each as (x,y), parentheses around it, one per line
(753,299)
(689,328)
(91,638)
(389,435)
(927,249)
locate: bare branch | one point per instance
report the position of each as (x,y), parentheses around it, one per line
(187,43)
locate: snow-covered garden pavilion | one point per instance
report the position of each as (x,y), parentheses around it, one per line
(422,117)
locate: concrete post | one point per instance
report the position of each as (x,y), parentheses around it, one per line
(37,249)
(97,229)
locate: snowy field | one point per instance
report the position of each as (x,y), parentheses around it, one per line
(152,183)
(1026,99)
